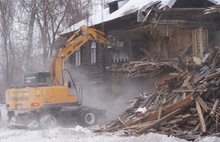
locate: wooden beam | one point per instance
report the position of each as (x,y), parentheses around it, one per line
(214,107)
(217,123)
(212,76)
(186,91)
(171,108)
(120,118)
(202,103)
(201,118)
(215,60)
(157,122)
(159,113)
(186,80)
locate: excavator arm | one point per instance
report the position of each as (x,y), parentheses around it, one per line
(79,38)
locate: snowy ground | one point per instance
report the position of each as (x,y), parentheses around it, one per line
(80,134)
(77,134)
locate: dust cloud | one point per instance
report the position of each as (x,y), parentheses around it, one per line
(114,95)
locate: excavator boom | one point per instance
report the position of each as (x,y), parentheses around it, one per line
(79,38)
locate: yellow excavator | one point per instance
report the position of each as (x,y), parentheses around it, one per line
(44,99)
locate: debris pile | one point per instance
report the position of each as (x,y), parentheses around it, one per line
(186,105)
(137,69)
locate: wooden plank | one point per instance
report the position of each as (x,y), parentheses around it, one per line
(157,122)
(201,118)
(115,124)
(159,113)
(213,111)
(215,60)
(202,103)
(192,122)
(188,85)
(186,80)
(212,76)
(171,108)
(120,118)
(149,101)
(173,121)
(187,91)
(149,98)
(134,104)
(133,124)
(201,40)
(217,123)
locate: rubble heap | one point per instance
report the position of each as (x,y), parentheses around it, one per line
(135,69)
(186,105)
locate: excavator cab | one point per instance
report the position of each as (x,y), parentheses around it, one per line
(37,79)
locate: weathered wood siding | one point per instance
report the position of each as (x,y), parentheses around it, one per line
(159,42)
(178,40)
(94,72)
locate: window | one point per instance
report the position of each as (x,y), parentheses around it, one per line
(137,54)
(113,6)
(93,52)
(78,57)
(30,80)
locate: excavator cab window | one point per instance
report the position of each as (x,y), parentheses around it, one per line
(37,79)
(30,80)
(69,84)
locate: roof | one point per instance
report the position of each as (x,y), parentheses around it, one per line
(130,7)
(110,1)
(217,2)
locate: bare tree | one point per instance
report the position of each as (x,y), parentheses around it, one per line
(6,21)
(30,7)
(52,15)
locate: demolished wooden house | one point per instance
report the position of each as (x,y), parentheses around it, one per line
(180,37)
(177,30)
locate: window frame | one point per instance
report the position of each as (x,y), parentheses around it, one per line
(78,58)
(93,53)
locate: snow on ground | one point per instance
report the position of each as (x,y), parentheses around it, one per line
(80,134)
(77,134)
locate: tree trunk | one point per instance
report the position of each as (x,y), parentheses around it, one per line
(28,64)
(6,22)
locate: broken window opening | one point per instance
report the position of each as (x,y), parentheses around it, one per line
(113,6)
(137,54)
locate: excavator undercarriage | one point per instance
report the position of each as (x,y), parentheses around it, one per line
(84,116)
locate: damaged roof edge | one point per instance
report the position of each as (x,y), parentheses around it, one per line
(215,1)
(130,7)
(169,4)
